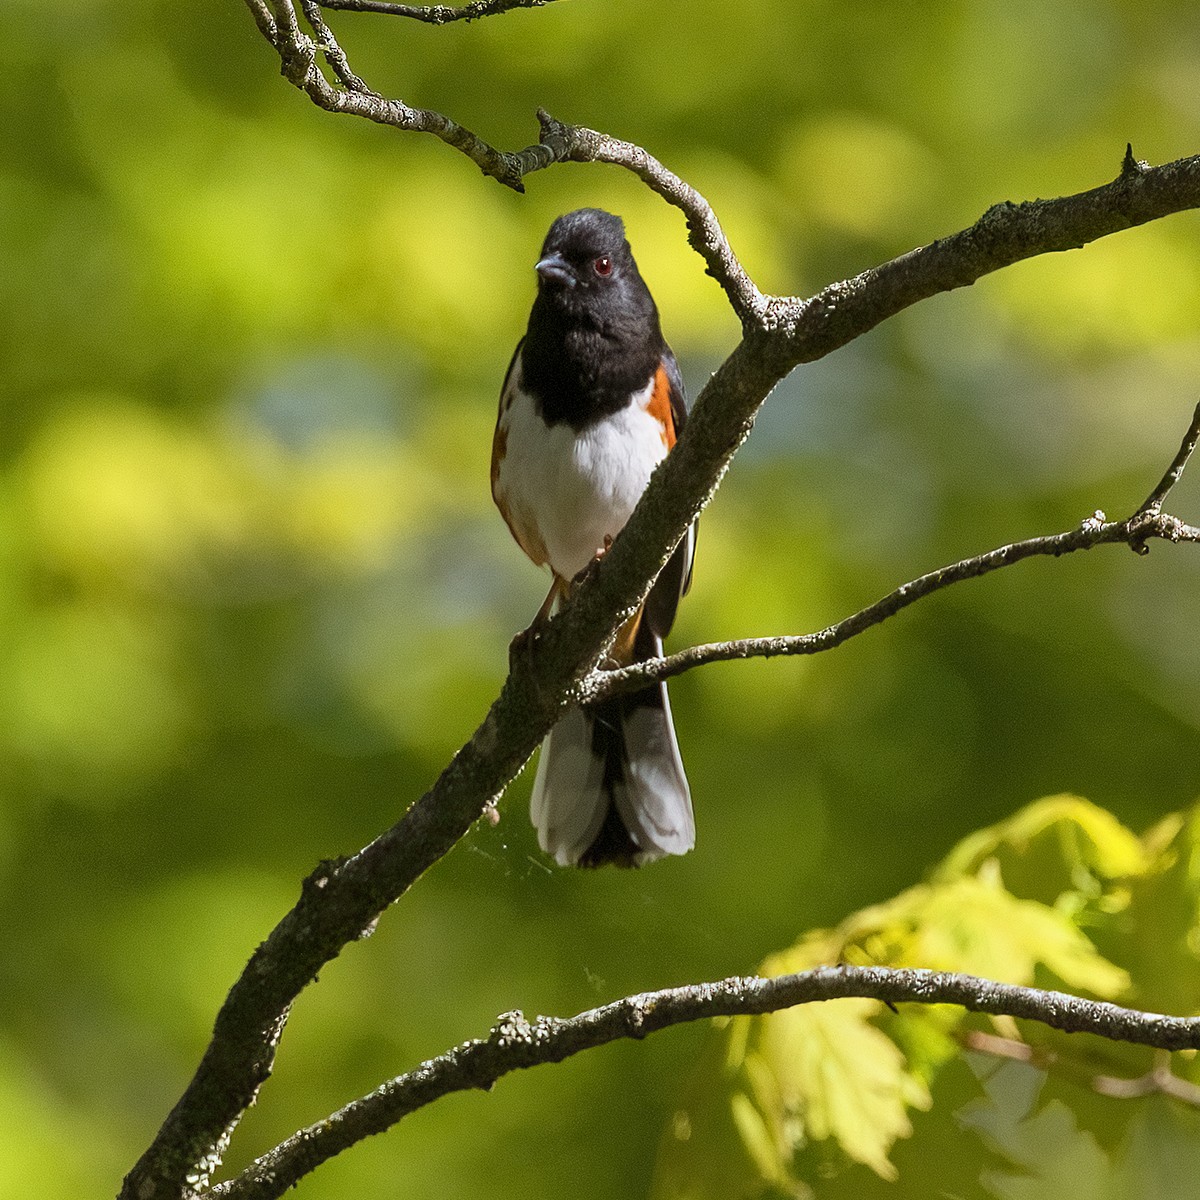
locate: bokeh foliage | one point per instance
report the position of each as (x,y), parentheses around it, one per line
(252,592)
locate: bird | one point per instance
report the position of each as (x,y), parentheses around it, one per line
(592,401)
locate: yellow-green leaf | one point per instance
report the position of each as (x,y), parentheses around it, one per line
(1056,845)
(975,925)
(843,1078)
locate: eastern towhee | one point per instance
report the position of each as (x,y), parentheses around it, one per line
(592,402)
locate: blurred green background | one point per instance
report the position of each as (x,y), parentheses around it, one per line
(253,593)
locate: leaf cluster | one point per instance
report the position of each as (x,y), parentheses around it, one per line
(1061,895)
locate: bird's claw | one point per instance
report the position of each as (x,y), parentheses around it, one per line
(594,565)
(521,649)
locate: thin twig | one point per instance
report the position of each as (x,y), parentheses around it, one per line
(515,1043)
(1094,531)
(297,53)
(1154,502)
(1159,1080)
(807,328)
(558,141)
(334,54)
(704,230)
(435,14)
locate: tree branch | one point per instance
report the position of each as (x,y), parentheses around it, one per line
(298,59)
(515,1043)
(342,899)
(1007,233)
(1149,521)
(1152,505)
(435,14)
(578,144)
(1094,531)
(558,142)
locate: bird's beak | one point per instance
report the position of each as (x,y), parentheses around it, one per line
(555,269)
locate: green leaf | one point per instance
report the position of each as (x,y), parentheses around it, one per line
(1057,845)
(1160,1155)
(1157,1158)
(1054,1158)
(821,1087)
(973,924)
(841,1077)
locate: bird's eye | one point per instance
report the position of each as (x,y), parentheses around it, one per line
(603,265)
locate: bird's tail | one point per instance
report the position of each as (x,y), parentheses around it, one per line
(610,785)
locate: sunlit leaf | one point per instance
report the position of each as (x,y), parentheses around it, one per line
(844,1073)
(822,1073)
(974,925)
(843,1078)
(1056,845)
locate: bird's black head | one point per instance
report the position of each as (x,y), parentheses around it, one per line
(586,271)
(593,337)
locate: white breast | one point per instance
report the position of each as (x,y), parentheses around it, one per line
(575,488)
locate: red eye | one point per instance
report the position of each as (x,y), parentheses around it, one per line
(603,265)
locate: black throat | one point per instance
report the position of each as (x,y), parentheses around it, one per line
(583,366)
